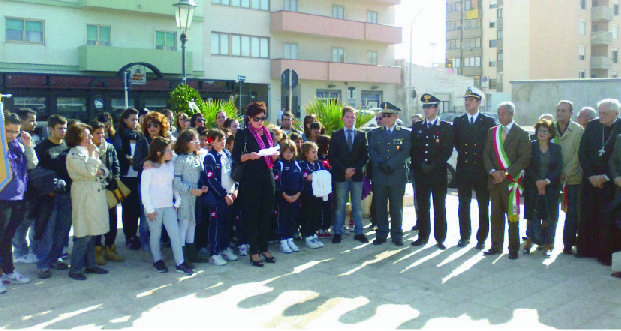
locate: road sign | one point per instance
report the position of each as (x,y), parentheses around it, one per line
(137,75)
(241,78)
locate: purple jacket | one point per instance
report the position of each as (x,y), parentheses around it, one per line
(15,189)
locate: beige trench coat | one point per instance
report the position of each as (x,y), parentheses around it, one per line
(88,196)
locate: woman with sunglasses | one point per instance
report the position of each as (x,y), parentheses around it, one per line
(154,124)
(256,187)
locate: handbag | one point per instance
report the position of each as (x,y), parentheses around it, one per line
(118,194)
(238,169)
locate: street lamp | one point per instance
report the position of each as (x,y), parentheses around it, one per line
(184,10)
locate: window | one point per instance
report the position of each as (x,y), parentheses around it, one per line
(371,17)
(371,99)
(613,74)
(493,43)
(615,7)
(453,7)
(581,55)
(493,83)
(98,35)
(451,25)
(338,12)
(614,29)
(291,51)
(582,27)
(614,54)
(457,63)
(453,44)
(499,13)
(291,5)
(25,30)
(581,74)
(472,24)
(468,5)
(493,5)
(338,54)
(372,57)
(492,63)
(492,24)
(499,56)
(330,95)
(239,45)
(166,40)
(252,4)
(71,107)
(582,4)
(472,43)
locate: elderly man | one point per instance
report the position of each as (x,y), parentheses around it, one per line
(586,115)
(470,133)
(568,136)
(598,188)
(506,155)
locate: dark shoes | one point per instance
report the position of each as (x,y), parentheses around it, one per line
(397,242)
(58,265)
(77,275)
(567,251)
(336,238)
(616,274)
(379,241)
(441,246)
(513,255)
(133,243)
(256,263)
(492,252)
(160,267)
(415,228)
(361,238)
(184,268)
(419,242)
(479,245)
(96,270)
(44,274)
(463,243)
(269,258)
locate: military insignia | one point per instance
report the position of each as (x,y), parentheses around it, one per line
(210,174)
(213,214)
(427,98)
(277,177)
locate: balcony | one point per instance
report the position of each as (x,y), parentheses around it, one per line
(140,6)
(294,22)
(601,14)
(601,63)
(111,59)
(601,38)
(337,72)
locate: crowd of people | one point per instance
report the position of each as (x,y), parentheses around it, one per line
(214,194)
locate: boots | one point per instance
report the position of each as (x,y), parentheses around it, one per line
(191,255)
(99,258)
(111,254)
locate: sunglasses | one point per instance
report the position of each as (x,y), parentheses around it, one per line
(259,119)
(386,115)
(153,125)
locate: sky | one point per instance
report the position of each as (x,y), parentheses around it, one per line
(428,17)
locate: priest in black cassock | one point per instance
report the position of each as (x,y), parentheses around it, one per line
(598,188)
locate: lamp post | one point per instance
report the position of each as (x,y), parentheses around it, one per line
(184,10)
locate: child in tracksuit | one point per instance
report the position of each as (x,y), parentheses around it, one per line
(310,214)
(289,186)
(216,175)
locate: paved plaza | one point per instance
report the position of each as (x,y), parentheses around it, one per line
(346,285)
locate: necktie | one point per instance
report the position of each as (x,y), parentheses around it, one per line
(471,120)
(503,133)
(350,140)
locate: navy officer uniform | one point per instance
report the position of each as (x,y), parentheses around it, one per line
(432,146)
(388,151)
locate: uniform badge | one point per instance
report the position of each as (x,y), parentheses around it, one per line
(276,177)
(213,214)
(210,174)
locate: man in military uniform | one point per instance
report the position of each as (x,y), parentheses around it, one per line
(470,133)
(432,145)
(389,147)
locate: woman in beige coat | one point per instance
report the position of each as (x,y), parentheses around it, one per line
(88,199)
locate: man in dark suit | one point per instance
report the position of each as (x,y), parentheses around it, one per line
(389,147)
(507,153)
(470,133)
(432,145)
(348,153)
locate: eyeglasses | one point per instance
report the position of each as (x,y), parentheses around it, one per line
(259,119)
(195,142)
(201,120)
(386,115)
(153,125)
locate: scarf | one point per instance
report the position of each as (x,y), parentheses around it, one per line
(257,137)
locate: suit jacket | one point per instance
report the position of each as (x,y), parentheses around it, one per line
(553,174)
(469,141)
(390,149)
(342,158)
(517,148)
(588,153)
(431,148)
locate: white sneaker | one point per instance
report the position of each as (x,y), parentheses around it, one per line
(319,242)
(2,288)
(243,249)
(217,260)
(284,247)
(16,278)
(229,255)
(310,242)
(292,245)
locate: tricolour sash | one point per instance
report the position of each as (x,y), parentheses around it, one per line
(515,186)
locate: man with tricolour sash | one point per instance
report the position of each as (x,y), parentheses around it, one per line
(507,153)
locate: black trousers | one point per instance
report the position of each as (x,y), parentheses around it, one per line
(131,208)
(257,197)
(310,214)
(464,190)
(424,192)
(594,224)
(11,215)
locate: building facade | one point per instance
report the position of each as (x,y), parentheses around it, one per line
(498,41)
(65,56)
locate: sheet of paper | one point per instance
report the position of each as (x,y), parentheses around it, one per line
(270,151)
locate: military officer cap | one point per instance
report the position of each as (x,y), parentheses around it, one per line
(473,92)
(429,100)
(388,107)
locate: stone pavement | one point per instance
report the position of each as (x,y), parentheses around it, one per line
(338,286)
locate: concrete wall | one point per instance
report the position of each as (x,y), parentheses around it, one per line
(533,98)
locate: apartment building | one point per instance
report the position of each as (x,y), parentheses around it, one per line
(497,41)
(64,56)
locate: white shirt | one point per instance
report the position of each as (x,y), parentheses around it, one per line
(156,188)
(508,127)
(130,171)
(227,167)
(473,117)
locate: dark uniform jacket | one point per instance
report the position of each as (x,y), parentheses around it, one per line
(431,148)
(469,141)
